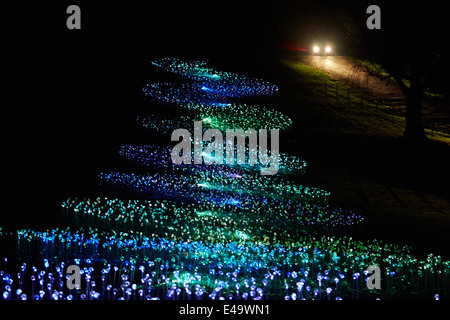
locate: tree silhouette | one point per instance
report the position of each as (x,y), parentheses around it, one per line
(412,45)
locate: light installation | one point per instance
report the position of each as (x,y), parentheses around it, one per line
(216,232)
(221,115)
(153,156)
(210,80)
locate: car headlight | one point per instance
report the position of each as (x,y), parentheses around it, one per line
(316,49)
(327,49)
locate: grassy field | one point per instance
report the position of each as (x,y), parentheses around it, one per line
(362,115)
(355,149)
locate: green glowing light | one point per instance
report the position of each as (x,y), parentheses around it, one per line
(206,185)
(242,235)
(205,213)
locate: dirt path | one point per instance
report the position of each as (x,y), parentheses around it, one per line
(436,111)
(344,69)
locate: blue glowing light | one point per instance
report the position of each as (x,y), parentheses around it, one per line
(220,231)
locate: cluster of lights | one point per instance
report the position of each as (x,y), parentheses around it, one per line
(227,84)
(153,156)
(222,120)
(155,123)
(133,266)
(201,185)
(188,95)
(223,115)
(211,221)
(243,116)
(216,232)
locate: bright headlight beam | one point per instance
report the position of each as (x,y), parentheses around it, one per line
(328,49)
(316,49)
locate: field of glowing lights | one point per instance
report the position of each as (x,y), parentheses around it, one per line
(210,232)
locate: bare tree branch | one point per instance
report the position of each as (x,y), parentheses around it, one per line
(377,75)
